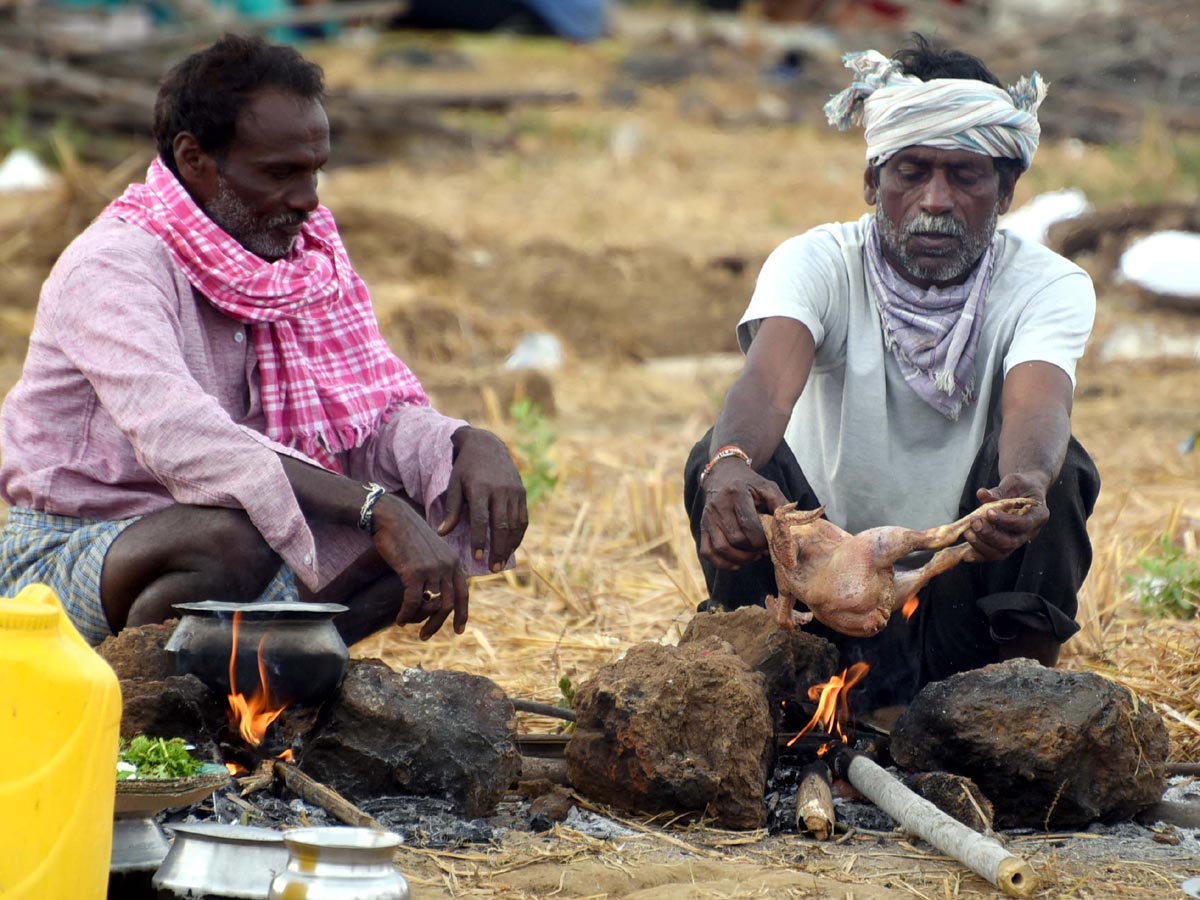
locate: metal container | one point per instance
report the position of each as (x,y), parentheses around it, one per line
(227,861)
(303,655)
(340,864)
(138,848)
(138,845)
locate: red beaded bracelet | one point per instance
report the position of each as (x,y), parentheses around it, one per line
(724,453)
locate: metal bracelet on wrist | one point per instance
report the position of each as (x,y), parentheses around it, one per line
(366,515)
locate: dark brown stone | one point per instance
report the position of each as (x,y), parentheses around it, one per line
(682,728)
(443,734)
(789,661)
(533,788)
(178,706)
(1051,748)
(956,796)
(137,653)
(553,806)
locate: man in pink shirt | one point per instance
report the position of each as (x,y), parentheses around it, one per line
(208,409)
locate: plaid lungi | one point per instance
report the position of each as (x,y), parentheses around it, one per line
(67,554)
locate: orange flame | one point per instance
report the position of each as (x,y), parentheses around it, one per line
(287,755)
(833,703)
(236,768)
(253,715)
(910,607)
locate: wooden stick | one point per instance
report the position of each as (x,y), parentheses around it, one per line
(540,768)
(1183,768)
(262,777)
(544,709)
(814,801)
(982,855)
(545,746)
(308,788)
(1172,812)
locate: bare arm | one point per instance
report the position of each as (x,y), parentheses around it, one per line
(424,562)
(756,412)
(1034,431)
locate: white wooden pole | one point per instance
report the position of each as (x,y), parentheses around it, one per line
(979,853)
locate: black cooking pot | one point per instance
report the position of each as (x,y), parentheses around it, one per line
(303,656)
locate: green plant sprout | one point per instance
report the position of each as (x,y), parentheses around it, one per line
(566,701)
(535,438)
(1169,583)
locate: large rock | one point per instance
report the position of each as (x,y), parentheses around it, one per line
(137,653)
(682,728)
(1050,748)
(789,661)
(443,734)
(179,706)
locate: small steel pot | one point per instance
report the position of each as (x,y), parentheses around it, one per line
(138,845)
(340,864)
(213,860)
(304,657)
(138,848)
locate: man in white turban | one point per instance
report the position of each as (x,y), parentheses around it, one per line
(907,367)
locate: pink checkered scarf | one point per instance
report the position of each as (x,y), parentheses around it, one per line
(328,376)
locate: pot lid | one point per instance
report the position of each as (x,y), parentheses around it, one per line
(278,610)
(218,832)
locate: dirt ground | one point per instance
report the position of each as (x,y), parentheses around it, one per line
(631,224)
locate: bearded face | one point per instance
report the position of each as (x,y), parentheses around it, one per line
(270,237)
(939,249)
(262,186)
(936,211)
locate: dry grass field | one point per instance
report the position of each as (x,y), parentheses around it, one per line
(634,232)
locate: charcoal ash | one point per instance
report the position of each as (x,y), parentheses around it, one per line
(852,813)
(434,824)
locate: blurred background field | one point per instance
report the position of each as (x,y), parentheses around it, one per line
(623,203)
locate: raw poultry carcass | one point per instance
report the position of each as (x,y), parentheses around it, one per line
(849,581)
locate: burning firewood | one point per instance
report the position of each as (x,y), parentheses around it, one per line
(814,801)
(261,778)
(849,581)
(312,791)
(982,855)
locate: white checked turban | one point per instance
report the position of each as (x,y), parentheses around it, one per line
(898,110)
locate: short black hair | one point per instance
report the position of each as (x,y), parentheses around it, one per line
(927,61)
(206,92)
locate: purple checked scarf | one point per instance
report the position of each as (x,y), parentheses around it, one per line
(932,333)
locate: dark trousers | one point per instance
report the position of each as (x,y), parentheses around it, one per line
(964,614)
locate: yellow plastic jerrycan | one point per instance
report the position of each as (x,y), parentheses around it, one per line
(60,720)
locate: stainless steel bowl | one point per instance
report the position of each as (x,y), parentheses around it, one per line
(138,845)
(213,860)
(340,864)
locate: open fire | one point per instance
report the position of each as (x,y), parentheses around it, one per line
(251,716)
(833,705)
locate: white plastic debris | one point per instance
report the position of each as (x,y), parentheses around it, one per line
(626,141)
(1137,342)
(1033,220)
(1164,263)
(536,350)
(23,171)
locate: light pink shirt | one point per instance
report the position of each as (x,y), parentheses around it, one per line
(137,394)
